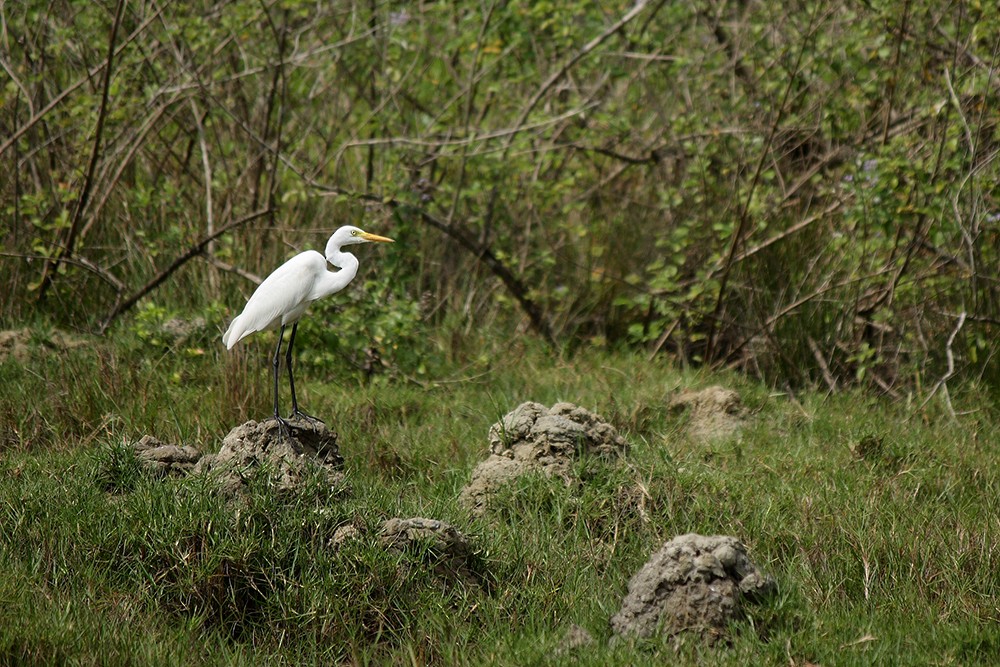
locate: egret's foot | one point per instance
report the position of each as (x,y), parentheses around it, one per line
(298,414)
(284,427)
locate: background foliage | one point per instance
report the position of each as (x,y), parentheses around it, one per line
(804,190)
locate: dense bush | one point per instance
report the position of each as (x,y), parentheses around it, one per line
(805,190)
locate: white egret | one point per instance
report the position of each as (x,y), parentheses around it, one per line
(285,294)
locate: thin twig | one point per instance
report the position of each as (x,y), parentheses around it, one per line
(17,82)
(950,357)
(891,85)
(798,303)
(831,381)
(468,130)
(785,233)
(961,113)
(296,59)
(120,165)
(744,220)
(579,55)
(663,338)
(474,137)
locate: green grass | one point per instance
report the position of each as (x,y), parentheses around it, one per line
(880,521)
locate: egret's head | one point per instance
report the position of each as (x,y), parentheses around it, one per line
(349,235)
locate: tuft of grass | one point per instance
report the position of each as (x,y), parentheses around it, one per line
(118,469)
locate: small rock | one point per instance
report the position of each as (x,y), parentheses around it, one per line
(180,329)
(21,343)
(15,343)
(61,340)
(576,637)
(343,534)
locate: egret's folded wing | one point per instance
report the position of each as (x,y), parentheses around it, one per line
(280,299)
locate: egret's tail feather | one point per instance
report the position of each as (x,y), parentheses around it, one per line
(232,334)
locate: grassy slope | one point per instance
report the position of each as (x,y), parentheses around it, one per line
(885,559)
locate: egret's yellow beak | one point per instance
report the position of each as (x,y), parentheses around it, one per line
(374,237)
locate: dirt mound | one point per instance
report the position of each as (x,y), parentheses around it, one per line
(344,534)
(424,543)
(311,449)
(19,343)
(693,583)
(576,638)
(715,412)
(163,459)
(180,329)
(535,438)
(439,545)
(15,343)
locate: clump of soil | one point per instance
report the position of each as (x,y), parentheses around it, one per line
(440,545)
(424,543)
(180,329)
(715,412)
(576,637)
(694,583)
(18,343)
(535,438)
(343,535)
(14,343)
(310,449)
(163,459)
(869,448)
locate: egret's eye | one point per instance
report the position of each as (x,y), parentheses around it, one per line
(354,232)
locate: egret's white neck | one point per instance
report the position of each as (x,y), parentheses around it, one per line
(344,261)
(334,281)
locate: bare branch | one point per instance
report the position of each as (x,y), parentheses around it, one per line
(82,262)
(88,183)
(481,252)
(831,382)
(179,261)
(232,268)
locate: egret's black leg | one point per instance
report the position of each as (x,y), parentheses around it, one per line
(291,380)
(288,365)
(276,362)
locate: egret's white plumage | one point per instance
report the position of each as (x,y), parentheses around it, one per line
(285,294)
